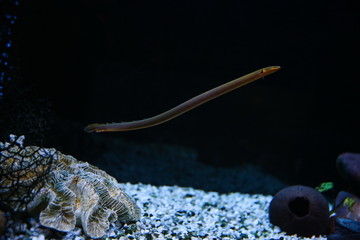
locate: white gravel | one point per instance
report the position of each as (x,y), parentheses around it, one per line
(172,212)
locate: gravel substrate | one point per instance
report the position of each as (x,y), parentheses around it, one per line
(171,212)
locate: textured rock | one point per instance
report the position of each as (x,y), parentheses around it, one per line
(348,165)
(300,210)
(72,193)
(345,229)
(347,206)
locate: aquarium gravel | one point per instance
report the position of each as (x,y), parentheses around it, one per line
(171,212)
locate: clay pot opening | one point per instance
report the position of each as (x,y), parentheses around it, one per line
(299,206)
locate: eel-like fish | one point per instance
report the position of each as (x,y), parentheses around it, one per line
(183,107)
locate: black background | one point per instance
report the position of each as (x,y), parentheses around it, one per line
(111,61)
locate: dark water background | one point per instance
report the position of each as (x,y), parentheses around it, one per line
(110,61)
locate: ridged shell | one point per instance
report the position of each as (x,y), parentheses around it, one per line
(73,192)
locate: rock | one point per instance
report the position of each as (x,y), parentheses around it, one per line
(348,165)
(347,206)
(300,210)
(345,229)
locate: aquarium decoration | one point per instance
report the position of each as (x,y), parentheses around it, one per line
(61,190)
(8,17)
(304,211)
(300,210)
